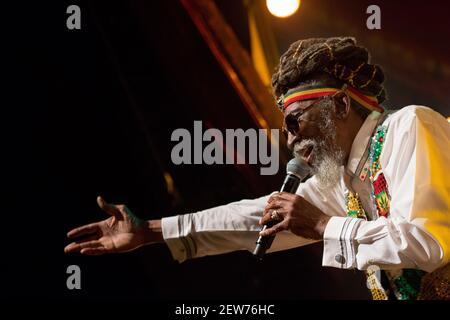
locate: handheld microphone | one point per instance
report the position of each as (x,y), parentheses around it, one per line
(296,172)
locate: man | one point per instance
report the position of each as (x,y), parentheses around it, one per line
(379,197)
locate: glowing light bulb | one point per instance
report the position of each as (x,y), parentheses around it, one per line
(282,8)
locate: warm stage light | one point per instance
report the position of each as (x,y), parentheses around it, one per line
(282,8)
(448,119)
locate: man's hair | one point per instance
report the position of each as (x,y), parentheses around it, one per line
(329,61)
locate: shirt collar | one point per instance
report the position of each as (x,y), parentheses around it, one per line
(361,141)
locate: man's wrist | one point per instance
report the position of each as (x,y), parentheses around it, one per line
(323,225)
(153,232)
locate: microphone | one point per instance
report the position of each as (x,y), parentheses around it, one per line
(296,172)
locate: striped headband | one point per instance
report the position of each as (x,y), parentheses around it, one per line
(311,92)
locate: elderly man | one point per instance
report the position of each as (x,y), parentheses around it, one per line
(379,197)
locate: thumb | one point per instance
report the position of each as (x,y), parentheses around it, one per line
(108,208)
(274,230)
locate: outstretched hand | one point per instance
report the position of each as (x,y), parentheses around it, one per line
(121,232)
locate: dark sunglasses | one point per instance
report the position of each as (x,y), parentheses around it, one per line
(291,123)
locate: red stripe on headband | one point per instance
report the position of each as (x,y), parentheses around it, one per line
(294,95)
(306,96)
(363,97)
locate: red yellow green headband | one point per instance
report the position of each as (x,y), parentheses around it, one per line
(312,92)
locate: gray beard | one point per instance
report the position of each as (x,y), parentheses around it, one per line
(328,156)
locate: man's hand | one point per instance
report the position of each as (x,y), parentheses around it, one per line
(296,214)
(122,232)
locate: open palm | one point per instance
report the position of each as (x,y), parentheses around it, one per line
(122,232)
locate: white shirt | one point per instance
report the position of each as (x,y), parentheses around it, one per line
(415,161)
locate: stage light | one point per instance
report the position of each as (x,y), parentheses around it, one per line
(448,119)
(282,8)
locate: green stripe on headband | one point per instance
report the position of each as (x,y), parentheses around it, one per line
(318,91)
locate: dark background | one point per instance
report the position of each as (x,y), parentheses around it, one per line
(90,112)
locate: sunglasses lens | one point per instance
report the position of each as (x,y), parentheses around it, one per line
(292,120)
(291,127)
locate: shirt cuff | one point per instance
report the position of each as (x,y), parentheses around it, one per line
(176,236)
(339,245)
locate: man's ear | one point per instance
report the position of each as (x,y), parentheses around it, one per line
(341,105)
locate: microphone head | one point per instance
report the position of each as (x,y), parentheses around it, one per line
(298,167)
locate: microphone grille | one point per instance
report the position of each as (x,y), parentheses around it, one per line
(298,167)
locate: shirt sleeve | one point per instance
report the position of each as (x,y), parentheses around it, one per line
(220,230)
(415,160)
(235,226)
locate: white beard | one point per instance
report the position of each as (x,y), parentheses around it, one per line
(328,156)
(329,171)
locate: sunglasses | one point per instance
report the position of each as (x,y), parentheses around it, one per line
(291,122)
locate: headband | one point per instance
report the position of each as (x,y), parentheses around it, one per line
(311,92)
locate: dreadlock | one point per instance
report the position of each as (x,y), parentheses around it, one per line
(339,59)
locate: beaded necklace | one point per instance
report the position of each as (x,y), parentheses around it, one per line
(405,283)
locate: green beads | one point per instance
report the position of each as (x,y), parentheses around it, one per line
(376,147)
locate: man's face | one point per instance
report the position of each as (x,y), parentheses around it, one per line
(314,138)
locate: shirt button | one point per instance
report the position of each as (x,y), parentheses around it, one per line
(339,258)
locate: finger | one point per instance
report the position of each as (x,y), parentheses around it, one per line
(279,205)
(268,217)
(280,196)
(83,230)
(284,196)
(72,248)
(273,197)
(108,207)
(265,219)
(275,229)
(78,246)
(94,251)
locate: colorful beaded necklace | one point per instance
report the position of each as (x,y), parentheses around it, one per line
(405,283)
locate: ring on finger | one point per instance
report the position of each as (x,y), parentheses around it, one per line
(275,215)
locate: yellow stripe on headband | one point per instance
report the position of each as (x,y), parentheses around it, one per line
(312,92)
(368,102)
(306,94)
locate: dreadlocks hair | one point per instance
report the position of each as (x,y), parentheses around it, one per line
(330,61)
